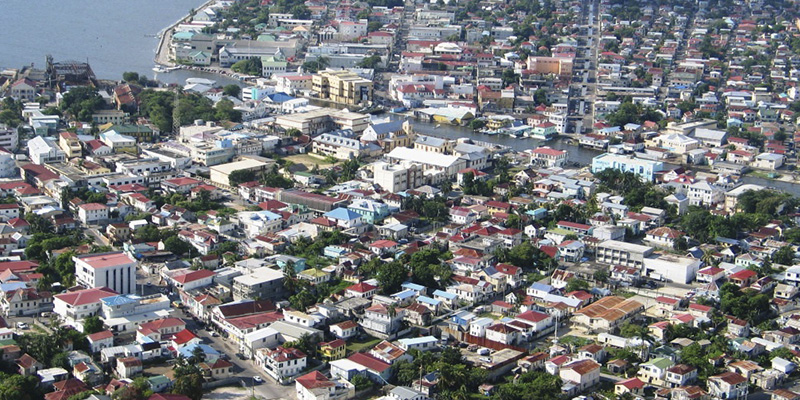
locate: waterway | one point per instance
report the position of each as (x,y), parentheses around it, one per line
(577,154)
(114,36)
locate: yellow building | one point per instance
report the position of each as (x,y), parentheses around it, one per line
(551,65)
(342,87)
(69,143)
(333,350)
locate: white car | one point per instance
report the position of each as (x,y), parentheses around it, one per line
(22,325)
(257,379)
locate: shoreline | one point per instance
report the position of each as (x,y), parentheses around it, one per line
(162,58)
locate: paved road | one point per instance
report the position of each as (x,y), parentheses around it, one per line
(245,369)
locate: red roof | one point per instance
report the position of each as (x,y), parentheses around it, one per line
(100,336)
(362,287)
(194,276)
(184,336)
(183,181)
(93,206)
(369,362)
(574,225)
(86,296)
(162,323)
(632,383)
(314,380)
(533,316)
(548,151)
(103,260)
(667,300)
(743,274)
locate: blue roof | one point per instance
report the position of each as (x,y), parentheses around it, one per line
(418,340)
(342,213)
(413,286)
(405,294)
(117,300)
(186,351)
(542,287)
(428,300)
(446,295)
(5,287)
(280,97)
(387,127)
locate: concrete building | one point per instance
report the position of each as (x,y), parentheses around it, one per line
(115,270)
(645,169)
(342,86)
(220,174)
(261,283)
(44,151)
(622,253)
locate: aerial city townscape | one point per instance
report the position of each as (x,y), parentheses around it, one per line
(443,199)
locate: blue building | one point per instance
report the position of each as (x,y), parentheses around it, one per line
(644,169)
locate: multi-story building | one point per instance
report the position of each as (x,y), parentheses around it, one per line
(645,169)
(93,213)
(115,270)
(397,177)
(261,283)
(69,143)
(342,87)
(73,307)
(282,362)
(344,145)
(622,253)
(9,139)
(43,151)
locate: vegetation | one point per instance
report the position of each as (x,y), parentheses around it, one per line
(250,66)
(81,102)
(158,107)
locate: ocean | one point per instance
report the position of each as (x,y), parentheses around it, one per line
(114,36)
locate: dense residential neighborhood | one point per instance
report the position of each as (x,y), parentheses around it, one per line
(455,199)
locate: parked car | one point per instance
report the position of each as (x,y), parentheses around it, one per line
(22,325)
(257,379)
(241,356)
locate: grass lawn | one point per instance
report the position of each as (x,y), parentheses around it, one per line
(309,160)
(355,346)
(489,315)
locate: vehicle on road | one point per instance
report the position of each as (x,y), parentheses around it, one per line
(240,356)
(22,325)
(257,379)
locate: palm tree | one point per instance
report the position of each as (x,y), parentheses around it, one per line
(708,257)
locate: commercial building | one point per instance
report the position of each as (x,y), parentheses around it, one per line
(435,167)
(671,268)
(313,201)
(342,86)
(43,151)
(645,169)
(220,174)
(621,253)
(115,270)
(397,177)
(323,120)
(261,283)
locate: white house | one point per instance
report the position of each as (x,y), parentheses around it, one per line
(93,213)
(583,374)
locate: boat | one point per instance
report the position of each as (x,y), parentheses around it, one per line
(437,126)
(161,68)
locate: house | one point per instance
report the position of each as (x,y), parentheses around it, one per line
(582,374)
(219,369)
(655,370)
(728,385)
(389,353)
(344,330)
(363,290)
(633,386)
(680,375)
(315,386)
(281,363)
(664,237)
(128,367)
(28,365)
(332,350)
(100,340)
(361,364)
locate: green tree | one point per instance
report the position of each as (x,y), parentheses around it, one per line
(532,385)
(250,66)
(38,224)
(81,102)
(177,246)
(784,255)
(130,77)
(576,284)
(92,324)
(241,176)
(232,90)
(477,124)
(391,276)
(188,379)
(372,61)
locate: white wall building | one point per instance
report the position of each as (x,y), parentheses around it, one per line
(114,270)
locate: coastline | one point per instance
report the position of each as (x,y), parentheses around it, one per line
(162,51)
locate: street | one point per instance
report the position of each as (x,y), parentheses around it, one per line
(244,369)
